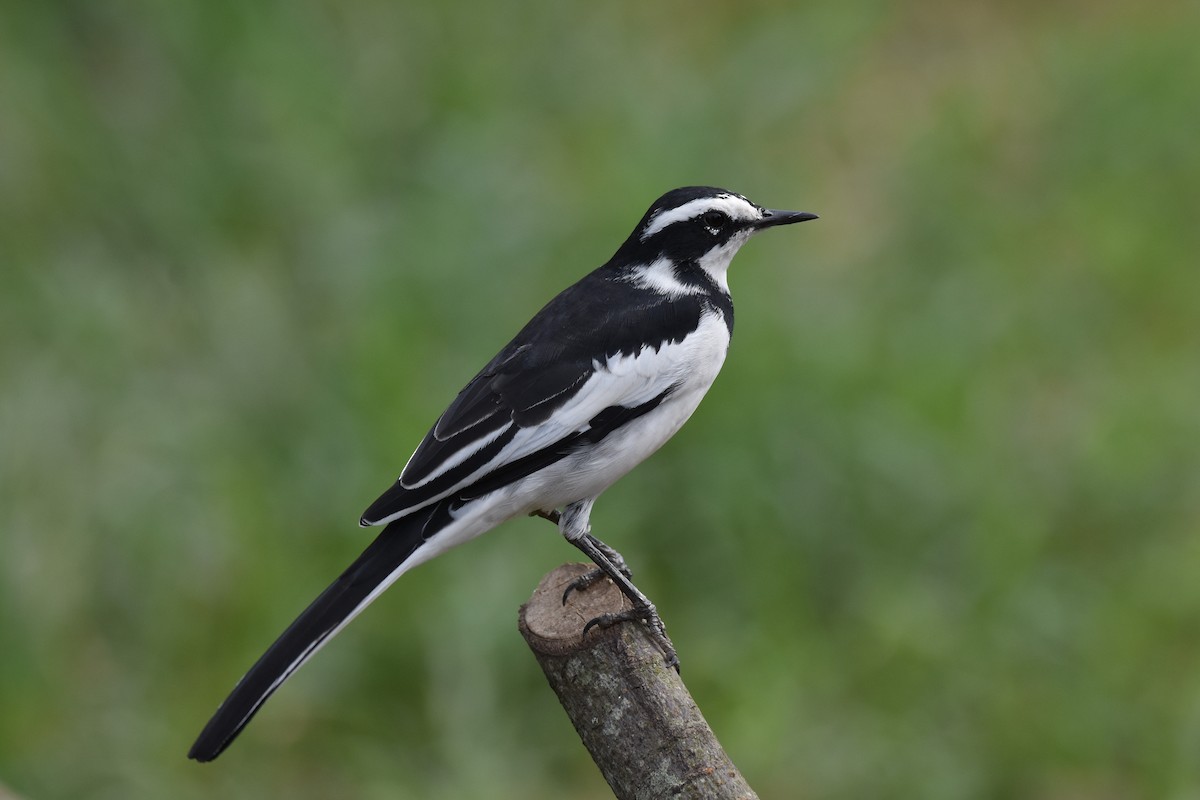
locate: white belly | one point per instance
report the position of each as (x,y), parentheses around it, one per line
(690,366)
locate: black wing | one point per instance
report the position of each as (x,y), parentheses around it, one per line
(536,400)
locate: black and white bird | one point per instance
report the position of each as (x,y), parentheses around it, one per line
(598,380)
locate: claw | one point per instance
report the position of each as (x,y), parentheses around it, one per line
(648,615)
(608,620)
(575,528)
(604,620)
(582,583)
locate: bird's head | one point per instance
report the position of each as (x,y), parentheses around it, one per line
(702,226)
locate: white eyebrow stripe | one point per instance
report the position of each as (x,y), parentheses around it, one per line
(736,207)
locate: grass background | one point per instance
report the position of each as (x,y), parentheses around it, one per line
(934,533)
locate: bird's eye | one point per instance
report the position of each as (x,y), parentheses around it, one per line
(715,220)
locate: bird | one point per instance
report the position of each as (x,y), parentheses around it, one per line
(598,380)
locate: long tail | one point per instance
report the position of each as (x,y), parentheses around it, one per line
(372,572)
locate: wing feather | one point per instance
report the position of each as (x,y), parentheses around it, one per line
(555,387)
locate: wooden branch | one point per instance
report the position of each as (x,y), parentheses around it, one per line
(632,712)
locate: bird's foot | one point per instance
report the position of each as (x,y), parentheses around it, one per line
(610,564)
(583,582)
(595,574)
(648,614)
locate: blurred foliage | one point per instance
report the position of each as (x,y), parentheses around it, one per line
(935,532)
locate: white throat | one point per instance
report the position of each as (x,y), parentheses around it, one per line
(716,261)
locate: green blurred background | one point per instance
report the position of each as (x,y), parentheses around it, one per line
(934,533)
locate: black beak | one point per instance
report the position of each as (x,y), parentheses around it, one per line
(774,217)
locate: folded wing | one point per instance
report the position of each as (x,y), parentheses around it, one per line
(554,388)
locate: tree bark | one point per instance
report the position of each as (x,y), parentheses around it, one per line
(632,712)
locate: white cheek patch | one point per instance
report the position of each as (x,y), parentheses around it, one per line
(716,261)
(735,207)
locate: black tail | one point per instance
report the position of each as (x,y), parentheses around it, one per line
(327,614)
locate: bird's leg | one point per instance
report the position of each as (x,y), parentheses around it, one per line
(573,523)
(591,576)
(574,526)
(642,609)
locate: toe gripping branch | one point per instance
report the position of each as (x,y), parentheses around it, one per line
(612,565)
